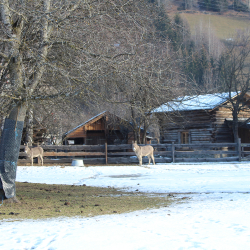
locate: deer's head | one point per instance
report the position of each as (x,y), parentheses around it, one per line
(134,145)
(26,148)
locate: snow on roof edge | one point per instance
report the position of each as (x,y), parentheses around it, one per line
(200,102)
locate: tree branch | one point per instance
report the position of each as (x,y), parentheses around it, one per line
(4,55)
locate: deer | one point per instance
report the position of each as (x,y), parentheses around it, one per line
(141,151)
(34,152)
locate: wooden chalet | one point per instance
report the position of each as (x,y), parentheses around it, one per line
(199,119)
(102,128)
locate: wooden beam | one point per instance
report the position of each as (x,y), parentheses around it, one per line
(106,152)
(173,153)
(73,153)
(239,148)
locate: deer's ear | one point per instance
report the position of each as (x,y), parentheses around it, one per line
(132,142)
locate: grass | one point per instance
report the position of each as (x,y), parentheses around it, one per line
(223,26)
(39,201)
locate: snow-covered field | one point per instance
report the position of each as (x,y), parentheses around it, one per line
(216,216)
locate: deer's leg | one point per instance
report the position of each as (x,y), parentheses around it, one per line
(40,159)
(149,159)
(32,160)
(140,160)
(153,158)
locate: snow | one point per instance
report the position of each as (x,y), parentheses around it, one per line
(215,213)
(184,103)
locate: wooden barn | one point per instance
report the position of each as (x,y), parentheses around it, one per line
(203,118)
(102,128)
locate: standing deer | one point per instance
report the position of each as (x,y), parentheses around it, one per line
(141,151)
(34,152)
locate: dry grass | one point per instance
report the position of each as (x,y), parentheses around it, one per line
(40,201)
(224,26)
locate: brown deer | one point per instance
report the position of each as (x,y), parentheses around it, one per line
(141,151)
(34,152)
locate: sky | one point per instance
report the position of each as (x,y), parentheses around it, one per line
(215,215)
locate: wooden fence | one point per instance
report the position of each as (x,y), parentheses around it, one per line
(123,154)
(245,151)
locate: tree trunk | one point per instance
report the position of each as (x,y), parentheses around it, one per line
(235,132)
(144,136)
(235,125)
(29,127)
(9,149)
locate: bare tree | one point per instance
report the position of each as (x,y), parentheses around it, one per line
(139,83)
(234,76)
(144,82)
(53,50)
(204,35)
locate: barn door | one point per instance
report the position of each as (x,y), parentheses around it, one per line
(244,134)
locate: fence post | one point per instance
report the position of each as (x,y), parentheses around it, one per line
(239,148)
(106,152)
(173,156)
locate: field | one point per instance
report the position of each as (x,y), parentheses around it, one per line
(39,201)
(195,206)
(224,26)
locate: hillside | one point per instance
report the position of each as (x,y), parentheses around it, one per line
(225,26)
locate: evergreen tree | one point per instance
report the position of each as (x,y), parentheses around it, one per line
(162,25)
(178,32)
(213,5)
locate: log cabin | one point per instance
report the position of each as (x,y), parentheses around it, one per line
(102,128)
(201,119)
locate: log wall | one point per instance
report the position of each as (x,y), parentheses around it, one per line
(202,125)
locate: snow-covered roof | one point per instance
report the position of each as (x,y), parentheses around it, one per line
(204,102)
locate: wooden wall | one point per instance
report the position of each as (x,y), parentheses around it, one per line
(195,135)
(80,132)
(202,125)
(222,131)
(97,132)
(197,123)
(98,125)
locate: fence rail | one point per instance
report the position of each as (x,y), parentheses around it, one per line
(164,153)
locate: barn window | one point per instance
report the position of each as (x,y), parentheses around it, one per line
(184,138)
